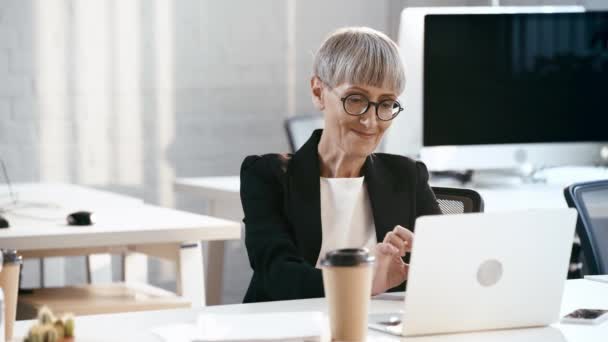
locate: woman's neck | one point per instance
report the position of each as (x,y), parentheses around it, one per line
(335,163)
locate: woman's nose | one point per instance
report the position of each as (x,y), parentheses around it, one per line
(369,119)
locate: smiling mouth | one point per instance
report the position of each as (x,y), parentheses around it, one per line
(364,135)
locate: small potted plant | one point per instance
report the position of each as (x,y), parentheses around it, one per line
(50,328)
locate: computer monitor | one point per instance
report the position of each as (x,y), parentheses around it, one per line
(503,87)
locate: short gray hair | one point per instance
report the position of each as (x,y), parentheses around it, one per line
(360,55)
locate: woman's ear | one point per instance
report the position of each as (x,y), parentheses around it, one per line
(316,88)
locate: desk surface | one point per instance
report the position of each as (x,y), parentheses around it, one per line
(38,221)
(555,180)
(212,187)
(117,226)
(496,198)
(68,196)
(578,294)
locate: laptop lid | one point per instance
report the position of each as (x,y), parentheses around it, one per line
(488,271)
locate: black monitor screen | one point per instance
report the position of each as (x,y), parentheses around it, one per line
(515,78)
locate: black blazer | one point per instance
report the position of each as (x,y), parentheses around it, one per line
(282,204)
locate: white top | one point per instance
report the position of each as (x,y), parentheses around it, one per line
(346,215)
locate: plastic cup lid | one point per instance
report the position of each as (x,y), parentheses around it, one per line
(348,257)
(10,256)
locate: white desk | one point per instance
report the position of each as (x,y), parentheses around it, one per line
(223,194)
(123,225)
(66,195)
(578,294)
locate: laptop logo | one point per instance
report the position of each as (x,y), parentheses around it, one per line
(489,272)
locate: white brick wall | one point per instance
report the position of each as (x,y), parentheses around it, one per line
(89,94)
(8,38)
(5,111)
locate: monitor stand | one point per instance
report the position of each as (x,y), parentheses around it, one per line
(496,178)
(524,175)
(557,176)
(504,177)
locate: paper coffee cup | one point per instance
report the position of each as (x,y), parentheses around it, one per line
(347,279)
(9,282)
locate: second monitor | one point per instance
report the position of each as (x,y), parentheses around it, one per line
(506,87)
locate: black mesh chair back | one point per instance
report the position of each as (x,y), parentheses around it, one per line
(299,129)
(458,201)
(591,201)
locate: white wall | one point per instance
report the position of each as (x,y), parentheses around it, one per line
(126,95)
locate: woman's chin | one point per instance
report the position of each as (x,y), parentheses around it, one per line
(359,149)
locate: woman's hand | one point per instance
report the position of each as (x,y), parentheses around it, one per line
(390,270)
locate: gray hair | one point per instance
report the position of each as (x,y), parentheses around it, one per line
(360,55)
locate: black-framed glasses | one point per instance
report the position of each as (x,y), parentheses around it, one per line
(357,104)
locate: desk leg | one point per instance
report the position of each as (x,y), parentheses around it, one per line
(99,268)
(215,262)
(190,277)
(135,268)
(215,272)
(57,277)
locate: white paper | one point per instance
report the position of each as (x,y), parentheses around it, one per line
(281,326)
(177,332)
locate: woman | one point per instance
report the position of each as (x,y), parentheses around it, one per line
(335,192)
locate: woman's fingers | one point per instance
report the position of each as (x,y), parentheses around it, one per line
(397,242)
(387,249)
(390,270)
(406,270)
(401,238)
(405,235)
(390,249)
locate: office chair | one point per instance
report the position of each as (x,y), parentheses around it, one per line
(458,201)
(299,129)
(591,201)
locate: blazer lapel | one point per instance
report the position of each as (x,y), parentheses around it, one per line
(387,196)
(305,198)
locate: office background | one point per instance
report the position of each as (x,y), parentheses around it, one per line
(127,95)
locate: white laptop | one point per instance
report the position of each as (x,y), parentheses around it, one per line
(483,271)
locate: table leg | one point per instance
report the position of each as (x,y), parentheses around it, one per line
(215,272)
(42,283)
(215,262)
(135,268)
(54,273)
(190,277)
(99,268)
